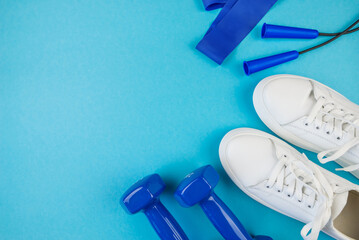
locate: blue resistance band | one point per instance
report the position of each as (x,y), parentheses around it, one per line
(235,21)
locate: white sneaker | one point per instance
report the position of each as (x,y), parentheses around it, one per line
(278,176)
(312,116)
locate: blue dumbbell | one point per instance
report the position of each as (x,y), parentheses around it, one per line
(143,195)
(197,187)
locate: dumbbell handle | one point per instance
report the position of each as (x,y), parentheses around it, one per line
(164,223)
(223,218)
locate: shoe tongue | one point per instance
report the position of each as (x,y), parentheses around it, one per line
(339,202)
(307,104)
(304,102)
(319,91)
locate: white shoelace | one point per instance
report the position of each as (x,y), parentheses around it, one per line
(339,122)
(307,185)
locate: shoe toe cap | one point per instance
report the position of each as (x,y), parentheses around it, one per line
(250,159)
(288,98)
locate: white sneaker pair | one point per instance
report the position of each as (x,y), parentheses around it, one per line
(314,117)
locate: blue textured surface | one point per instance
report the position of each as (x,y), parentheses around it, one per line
(234,22)
(95,95)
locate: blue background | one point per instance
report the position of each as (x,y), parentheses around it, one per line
(94,95)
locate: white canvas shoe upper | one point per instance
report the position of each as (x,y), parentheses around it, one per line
(312,116)
(278,176)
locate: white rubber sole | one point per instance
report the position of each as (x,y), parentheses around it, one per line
(271,123)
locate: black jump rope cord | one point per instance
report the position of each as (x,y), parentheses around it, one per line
(334,34)
(346,31)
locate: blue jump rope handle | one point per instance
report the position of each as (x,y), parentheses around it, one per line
(163,222)
(267,62)
(277,31)
(223,219)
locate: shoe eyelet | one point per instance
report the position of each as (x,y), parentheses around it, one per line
(317,128)
(338,138)
(267,186)
(306,124)
(328,132)
(279,191)
(309,206)
(289,195)
(284,155)
(299,200)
